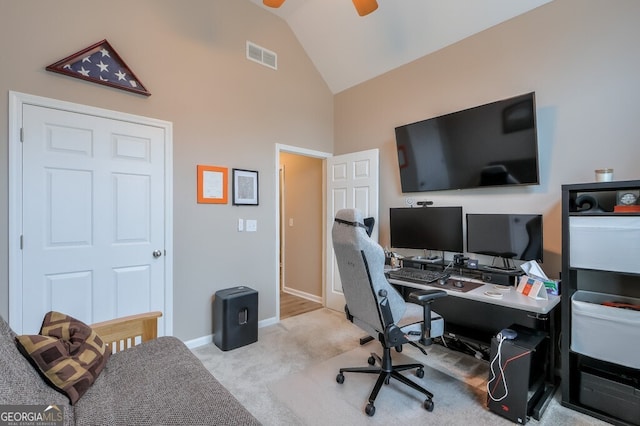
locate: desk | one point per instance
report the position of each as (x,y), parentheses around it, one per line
(474,318)
(510,297)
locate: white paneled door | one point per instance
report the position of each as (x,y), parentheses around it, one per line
(352,182)
(93,216)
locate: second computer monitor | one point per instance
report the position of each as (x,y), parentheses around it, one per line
(510,236)
(429,228)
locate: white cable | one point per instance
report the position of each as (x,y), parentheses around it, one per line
(498,357)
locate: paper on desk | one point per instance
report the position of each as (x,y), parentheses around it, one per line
(532,287)
(532,269)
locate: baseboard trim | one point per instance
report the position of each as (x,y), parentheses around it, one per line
(205,340)
(302,294)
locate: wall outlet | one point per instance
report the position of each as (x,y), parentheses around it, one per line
(252,225)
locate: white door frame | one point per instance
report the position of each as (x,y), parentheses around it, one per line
(309,153)
(16,102)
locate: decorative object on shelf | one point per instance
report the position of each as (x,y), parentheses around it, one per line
(245,187)
(604,175)
(627,201)
(364,7)
(587,203)
(100,63)
(213,184)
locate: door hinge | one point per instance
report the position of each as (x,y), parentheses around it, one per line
(21,241)
(21,134)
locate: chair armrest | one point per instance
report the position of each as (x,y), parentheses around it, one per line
(426,296)
(121,333)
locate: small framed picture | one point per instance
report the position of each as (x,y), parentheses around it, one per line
(245,187)
(212,184)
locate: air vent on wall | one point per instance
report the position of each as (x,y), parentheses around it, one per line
(262,55)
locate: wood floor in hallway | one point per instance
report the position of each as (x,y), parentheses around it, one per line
(291,305)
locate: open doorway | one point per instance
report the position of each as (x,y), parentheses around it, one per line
(301,231)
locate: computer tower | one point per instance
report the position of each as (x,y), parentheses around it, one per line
(517,374)
(235,317)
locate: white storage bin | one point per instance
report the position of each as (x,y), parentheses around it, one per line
(604,332)
(606,243)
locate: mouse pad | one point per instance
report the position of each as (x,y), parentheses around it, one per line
(451,285)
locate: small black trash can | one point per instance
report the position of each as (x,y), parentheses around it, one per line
(235,317)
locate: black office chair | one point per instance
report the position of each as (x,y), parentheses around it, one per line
(376,306)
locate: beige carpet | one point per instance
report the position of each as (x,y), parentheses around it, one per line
(317,399)
(288,377)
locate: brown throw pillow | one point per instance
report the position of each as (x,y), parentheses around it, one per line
(67,353)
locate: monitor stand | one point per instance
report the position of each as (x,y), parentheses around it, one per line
(507,265)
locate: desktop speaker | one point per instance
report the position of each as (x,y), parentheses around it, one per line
(501,279)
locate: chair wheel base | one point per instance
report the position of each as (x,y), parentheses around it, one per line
(370,409)
(428,404)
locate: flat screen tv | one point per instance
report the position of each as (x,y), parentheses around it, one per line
(490,145)
(509,236)
(429,228)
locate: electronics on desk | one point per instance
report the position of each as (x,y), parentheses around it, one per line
(459,259)
(426,228)
(499,278)
(507,236)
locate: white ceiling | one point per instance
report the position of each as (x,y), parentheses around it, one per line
(348,49)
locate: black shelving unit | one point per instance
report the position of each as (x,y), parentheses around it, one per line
(600,263)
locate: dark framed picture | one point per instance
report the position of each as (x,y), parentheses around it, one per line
(245,187)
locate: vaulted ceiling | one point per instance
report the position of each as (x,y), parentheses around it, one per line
(348,49)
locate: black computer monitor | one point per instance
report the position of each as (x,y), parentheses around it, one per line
(429,228)
(509,236)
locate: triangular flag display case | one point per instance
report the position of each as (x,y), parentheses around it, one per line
(100,63)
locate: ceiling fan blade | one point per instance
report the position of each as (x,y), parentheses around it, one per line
(365,7)
(273,3)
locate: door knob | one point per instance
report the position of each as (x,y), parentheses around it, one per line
(157,253)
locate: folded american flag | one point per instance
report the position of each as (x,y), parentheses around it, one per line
(101,64)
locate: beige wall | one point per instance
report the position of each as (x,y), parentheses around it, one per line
(302,229)
(580,56)
(582,60)
(226,111)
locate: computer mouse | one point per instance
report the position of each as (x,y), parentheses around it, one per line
(458,284)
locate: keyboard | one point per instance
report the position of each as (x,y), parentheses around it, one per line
(420,276)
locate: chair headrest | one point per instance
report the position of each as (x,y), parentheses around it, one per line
(351,217)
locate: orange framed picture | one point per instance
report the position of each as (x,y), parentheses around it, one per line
(213,183)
